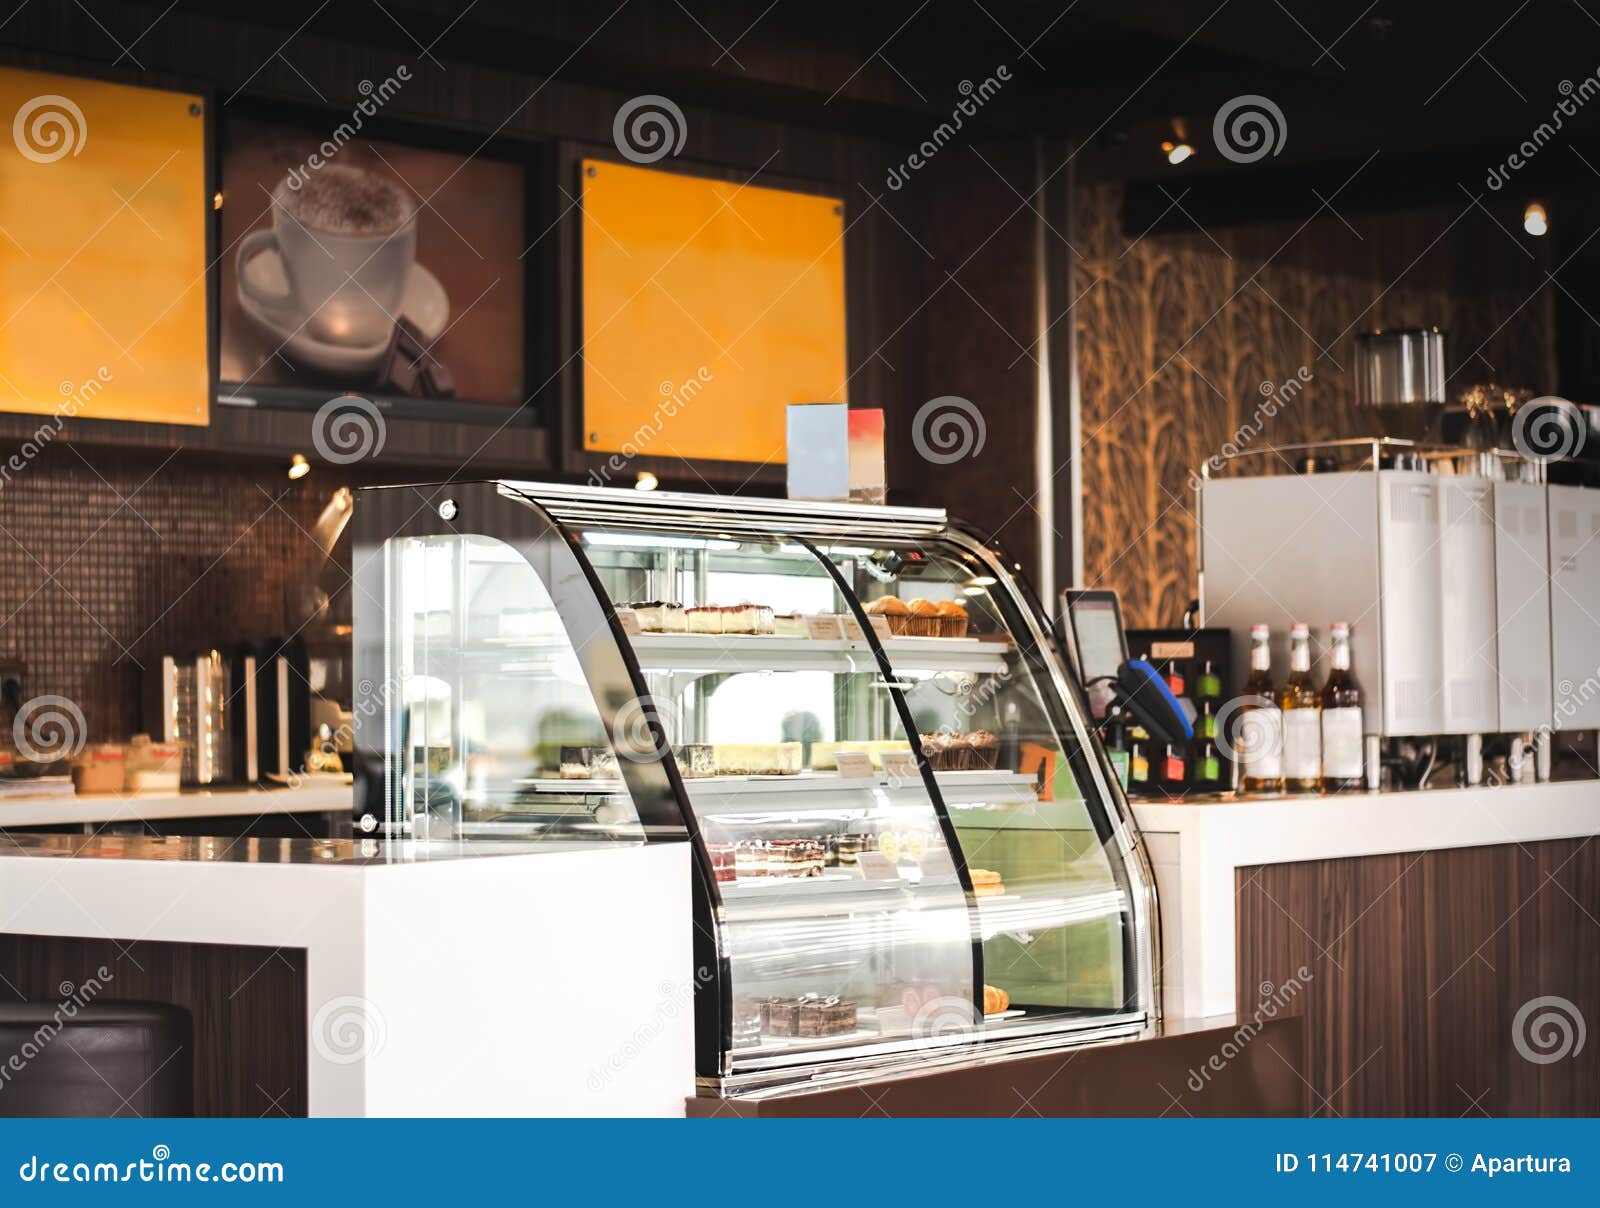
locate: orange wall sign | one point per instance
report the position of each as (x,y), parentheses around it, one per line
(103,217)
(708,307)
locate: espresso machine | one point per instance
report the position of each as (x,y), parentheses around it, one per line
(1464,575)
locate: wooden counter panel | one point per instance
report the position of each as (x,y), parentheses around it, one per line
(1418,964)
(248,1003)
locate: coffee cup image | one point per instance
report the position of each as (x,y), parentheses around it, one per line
(337,268)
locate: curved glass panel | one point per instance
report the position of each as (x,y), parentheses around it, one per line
(490,700)
(843,919)
(1051,891)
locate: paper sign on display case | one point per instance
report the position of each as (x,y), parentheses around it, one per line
(835,453)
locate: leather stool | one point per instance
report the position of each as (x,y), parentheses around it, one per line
(105,1059)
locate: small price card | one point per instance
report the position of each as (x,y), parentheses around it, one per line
(855,765)
(824,627)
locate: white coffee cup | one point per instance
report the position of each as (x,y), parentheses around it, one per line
(344,288)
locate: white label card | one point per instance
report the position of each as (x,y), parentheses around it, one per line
(902,765)
(1302,744)
(851,629)
(1342,754)
(880,626)
(629,620)
(824,627)
(854,765)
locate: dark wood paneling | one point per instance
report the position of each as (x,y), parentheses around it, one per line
(1211,1072)
(1180,334)
(980,281)
(1418,965)
(248,1004)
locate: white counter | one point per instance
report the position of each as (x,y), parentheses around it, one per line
(97,808)
(442,979)
(1196,847)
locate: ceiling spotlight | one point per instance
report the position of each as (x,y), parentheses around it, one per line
(1175,152)
(1534,220)
(646,481)
(982,581)
(299,467)
(1177,148)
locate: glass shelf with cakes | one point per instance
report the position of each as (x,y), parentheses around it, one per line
(906,842)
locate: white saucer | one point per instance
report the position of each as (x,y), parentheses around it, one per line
(424,303)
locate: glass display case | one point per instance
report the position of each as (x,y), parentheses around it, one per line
(907,845)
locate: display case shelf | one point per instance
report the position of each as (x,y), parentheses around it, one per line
(823,792)
(709,654)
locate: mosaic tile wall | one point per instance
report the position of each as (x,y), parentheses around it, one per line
(114,557)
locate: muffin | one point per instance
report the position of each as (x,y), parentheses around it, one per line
(960,752)
(952,619)
(924,620)
(894,610)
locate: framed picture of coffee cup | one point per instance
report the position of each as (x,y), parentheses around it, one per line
(391,263)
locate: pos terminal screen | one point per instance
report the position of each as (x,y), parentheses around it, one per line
(1097,634)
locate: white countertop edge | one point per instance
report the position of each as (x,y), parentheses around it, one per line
(190,803)
(1282,830)
(1196,849)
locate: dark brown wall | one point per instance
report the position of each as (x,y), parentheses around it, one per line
(204,551)
(1178,332)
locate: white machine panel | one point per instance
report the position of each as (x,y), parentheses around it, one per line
(1284,549)
(1522,605)
(1470,653)
(1409,568)
(1575,606)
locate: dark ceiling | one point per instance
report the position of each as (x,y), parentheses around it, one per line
(1440,92)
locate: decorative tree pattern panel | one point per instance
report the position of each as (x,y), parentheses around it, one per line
(1182,336)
